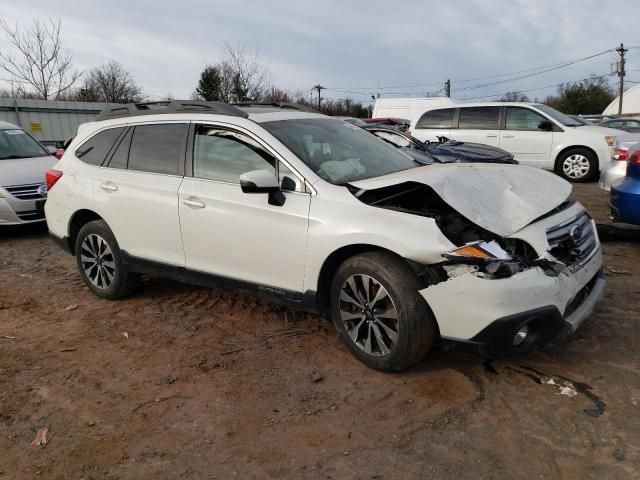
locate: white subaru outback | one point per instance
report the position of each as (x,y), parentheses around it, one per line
(316,212)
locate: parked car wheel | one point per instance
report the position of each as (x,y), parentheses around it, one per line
(100,262)
(378,312)
(577,165)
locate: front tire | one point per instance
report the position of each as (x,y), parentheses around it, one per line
(577,165)
(379,313)
(100,262)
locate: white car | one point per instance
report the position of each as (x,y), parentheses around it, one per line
(23,163)
(537,135)
(617,168)
(324,216)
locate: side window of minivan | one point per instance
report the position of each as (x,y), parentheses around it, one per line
(158,148)
(519,118)
(442,118)
(95,150)
(479,118)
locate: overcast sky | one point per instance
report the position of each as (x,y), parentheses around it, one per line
(349,45)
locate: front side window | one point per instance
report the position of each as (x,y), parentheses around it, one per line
(479,118)
(337,151)
(16,143)
(523,119)
(158,148)
(442,118)
(223,155)
(95,150)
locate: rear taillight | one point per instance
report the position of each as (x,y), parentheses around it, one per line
(51,177)
(635,158)
(619,154)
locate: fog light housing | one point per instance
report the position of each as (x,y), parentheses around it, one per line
(520,336)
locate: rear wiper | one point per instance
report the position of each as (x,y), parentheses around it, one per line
(12,157)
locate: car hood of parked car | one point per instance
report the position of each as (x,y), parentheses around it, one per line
(23,171)
(499,198)
(472,152)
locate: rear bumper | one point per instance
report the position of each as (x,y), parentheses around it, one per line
(613,174)
(546,325)
(624,201)
(63,242)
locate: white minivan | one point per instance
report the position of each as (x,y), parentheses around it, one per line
(537,135)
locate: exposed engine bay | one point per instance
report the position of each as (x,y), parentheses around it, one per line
(503,257)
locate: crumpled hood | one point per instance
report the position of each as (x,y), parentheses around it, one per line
(474,152)
(22,171)
(500,198)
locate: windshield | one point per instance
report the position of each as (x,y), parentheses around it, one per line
(338,151)
(565,120)
(18,144)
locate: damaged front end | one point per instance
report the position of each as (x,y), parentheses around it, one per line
(479,251)
(509,285)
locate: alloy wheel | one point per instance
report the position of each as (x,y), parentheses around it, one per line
(97,261)
(575,166)
(369,315)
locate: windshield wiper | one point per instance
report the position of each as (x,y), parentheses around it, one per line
(12,157)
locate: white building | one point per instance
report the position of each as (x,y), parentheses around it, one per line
(630,103)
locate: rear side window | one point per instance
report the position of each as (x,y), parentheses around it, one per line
(158,148)
(121,154)
(479,118)
(95,150)
(436,119)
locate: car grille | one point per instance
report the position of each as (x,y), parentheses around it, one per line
(28,192)
(575,241)
(29,215)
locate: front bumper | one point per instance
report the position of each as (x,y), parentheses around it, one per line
(20,212)
(484,314)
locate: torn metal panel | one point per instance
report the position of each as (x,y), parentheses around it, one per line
(499,198)
(466,304)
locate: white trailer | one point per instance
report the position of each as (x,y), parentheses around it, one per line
(408,108)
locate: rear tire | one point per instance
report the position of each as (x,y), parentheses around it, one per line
(577,165)
(100,262)
(379,313)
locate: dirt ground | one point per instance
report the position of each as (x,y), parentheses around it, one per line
(185,382)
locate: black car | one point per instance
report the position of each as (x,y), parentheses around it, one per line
(444,151)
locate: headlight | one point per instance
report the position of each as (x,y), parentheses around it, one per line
(609,140)
(479,251)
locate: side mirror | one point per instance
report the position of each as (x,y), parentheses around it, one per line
(545,125)
(262,181)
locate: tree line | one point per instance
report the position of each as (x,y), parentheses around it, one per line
(39,67)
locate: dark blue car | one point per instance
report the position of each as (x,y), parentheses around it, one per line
(625,196)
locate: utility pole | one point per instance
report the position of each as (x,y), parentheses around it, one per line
(621,51)
(319,88)
(447,88)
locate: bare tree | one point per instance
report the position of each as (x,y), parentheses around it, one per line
(39,60)
(243,75)
(110,83)
(513,97)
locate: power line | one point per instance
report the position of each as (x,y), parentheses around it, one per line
(541,88)
(490,84)
(545,68)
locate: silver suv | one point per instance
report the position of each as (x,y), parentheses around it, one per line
(23,163)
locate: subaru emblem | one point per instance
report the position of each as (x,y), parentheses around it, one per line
(575,233)
(42,190)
